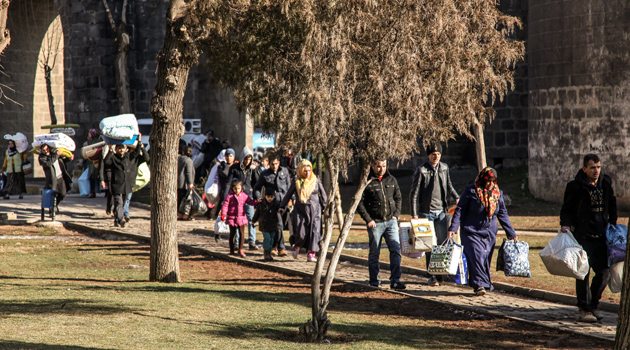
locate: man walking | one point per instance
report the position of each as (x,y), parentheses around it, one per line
(380,208)
(430,190)
(589,206)
(279,179)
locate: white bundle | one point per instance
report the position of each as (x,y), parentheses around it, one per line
(57,140)
(564,256)
(121,127)
(21,142)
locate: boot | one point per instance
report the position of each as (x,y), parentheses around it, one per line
(241,253)
(267,255)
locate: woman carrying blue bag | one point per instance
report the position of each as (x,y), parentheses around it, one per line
(479,208)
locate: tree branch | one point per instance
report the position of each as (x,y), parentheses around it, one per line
(109,16)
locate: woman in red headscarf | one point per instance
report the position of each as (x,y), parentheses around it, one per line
(479,208)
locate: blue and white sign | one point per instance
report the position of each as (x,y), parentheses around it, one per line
(264,141)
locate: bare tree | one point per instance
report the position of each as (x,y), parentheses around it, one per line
(122,54)
(5,35)
(350,79)
(52,46)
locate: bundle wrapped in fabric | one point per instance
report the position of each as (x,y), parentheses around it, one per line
(113,141)
(516,258)
(92,152)
(120,127)
(21,141)
(57,140)
(405,230)
(616,238)
(564,256)
(211,188)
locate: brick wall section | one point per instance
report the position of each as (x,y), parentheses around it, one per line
(579,92)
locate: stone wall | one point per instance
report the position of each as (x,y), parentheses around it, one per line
(579,74)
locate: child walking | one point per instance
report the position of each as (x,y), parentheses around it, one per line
(233,214)
(270,220)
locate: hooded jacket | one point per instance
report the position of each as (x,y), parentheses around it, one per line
(239,172)
(381,200)
(576,208)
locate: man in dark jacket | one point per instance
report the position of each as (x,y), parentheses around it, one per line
(210,149)
(430,190)
(279,179)
(589,206)
(124,168)
(57,177)
(380,208)
(243,171)
(270,220)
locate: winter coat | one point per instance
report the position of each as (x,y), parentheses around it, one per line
(234,208)
(306,217)
(576,208)
(279,181)
(266,214)
(47,162)
(224,178)
(422,187)
(381,200)
(185,172)
(210,149)
(239,172)
(13,164)
(123,170)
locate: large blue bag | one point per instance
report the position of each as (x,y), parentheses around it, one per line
(461,277)
(84,183)
(616,239)
(516,257)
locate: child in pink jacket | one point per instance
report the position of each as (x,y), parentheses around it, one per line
(233,214)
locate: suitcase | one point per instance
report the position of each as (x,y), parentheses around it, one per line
(49,200)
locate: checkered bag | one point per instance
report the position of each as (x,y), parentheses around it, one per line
(516,257)
(445,258)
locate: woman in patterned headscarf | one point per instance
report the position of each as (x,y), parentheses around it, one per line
(307,214)
(479,208)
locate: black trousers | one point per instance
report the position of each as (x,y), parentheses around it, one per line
(119,206)
(589,294)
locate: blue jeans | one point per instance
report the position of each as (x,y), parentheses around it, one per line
(389,231)
(440,223)
(268,240)
(249,212)
(126,207)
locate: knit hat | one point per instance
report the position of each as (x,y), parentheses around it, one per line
(230,151)
(434,147)
(270,191)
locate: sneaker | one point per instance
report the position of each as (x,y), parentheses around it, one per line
(433,282)
(598,314)
(252,246)
(282,252)
(274,252)
(481,291)
(397,285)
(122,223)
(310,257)
(295,252)
(241,253)
(585,316)
(127,219)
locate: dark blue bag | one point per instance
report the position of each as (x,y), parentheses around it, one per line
(516,257)
(616,238)
(462,271)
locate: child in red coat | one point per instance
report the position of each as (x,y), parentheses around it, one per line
(233,214)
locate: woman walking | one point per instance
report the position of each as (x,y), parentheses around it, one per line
(307,213)
(13,160)
(479,208)
(185,178)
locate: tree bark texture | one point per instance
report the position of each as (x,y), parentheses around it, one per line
(51,100)
(174,63)
(316,328)
(480,145)
(5,36)
(622,338)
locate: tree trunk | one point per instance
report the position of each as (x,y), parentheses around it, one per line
(120,69)
(174,63)
(480,145)
(317,327)
(5,36)
(622,339)
(51,102)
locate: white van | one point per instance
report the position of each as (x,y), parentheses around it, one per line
(192,129)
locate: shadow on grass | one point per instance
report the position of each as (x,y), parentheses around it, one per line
(11,344)
(60,306)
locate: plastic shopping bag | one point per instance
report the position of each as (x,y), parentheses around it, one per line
(221,227)
(143,177)
(616,238)
(564,256)
(212,186)
(198,159)
(616,277)
(84,183)
(445,258)
(516,258)
(461,277)
(406,249)
(198,206)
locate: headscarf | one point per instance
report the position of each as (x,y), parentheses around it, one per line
(488,197)
(12,150)
(305,186)
(94,133)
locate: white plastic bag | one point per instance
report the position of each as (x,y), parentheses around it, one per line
(198,159)
(84,183)
(564,256)
(221,227)
(212,186)
(616,277)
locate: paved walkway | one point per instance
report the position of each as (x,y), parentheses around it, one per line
(89,215)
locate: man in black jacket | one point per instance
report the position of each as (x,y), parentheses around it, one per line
(124,168)
(432,199)
(380,208)
(210,149)
(589,206)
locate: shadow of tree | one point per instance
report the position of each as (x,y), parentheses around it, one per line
(60,306)
(18,345)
